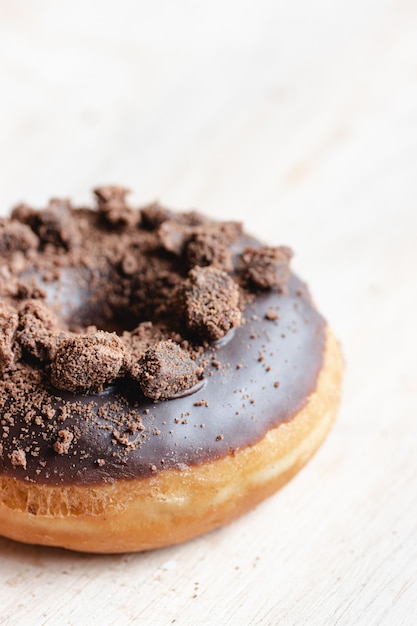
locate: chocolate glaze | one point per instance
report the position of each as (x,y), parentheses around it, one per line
(258,376)
(70,277)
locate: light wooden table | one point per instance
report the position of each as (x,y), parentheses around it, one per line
(300,118)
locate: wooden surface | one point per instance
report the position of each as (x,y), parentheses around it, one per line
(301,119)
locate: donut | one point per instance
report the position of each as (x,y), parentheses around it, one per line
(161,373)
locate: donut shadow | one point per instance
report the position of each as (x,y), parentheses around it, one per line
(32,554)
(17,551)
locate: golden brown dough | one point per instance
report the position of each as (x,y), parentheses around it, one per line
(175,505)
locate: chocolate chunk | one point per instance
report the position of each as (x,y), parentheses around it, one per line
(166,371)
(8,326)
(108,193)
(209,249)
(211,302)
(266,267)
(113,207)
(87,363)
(173,236)
(54,225)
(153,215)
(22,213)
(230,231)
(36,332)
(16,237)
(139,340)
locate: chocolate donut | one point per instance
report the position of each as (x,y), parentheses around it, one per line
(160,373)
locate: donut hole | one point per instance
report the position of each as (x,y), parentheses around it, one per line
(86,317)
(81,301)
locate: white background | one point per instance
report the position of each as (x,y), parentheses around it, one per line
(299,118)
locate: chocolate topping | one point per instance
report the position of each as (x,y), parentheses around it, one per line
(166,371)
(63,443)
(209,249)
(266,267)
(35,331)
(211,300)
(172,236)
(79,402)
(18,457)
(153,215)
(87,363)
(16,237)
(53,225)
(8,325)
(112,205)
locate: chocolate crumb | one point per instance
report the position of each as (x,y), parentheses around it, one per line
(211,302)
(166,371)
(201,403)
(63,443)
(173,236)
(16,237)
(87,363)
(266,267)
(112,205)
(36,332)
(205,249)
(8,326)
(53,225)
(153,215)
(271,315)
(18,458)
(129,264)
